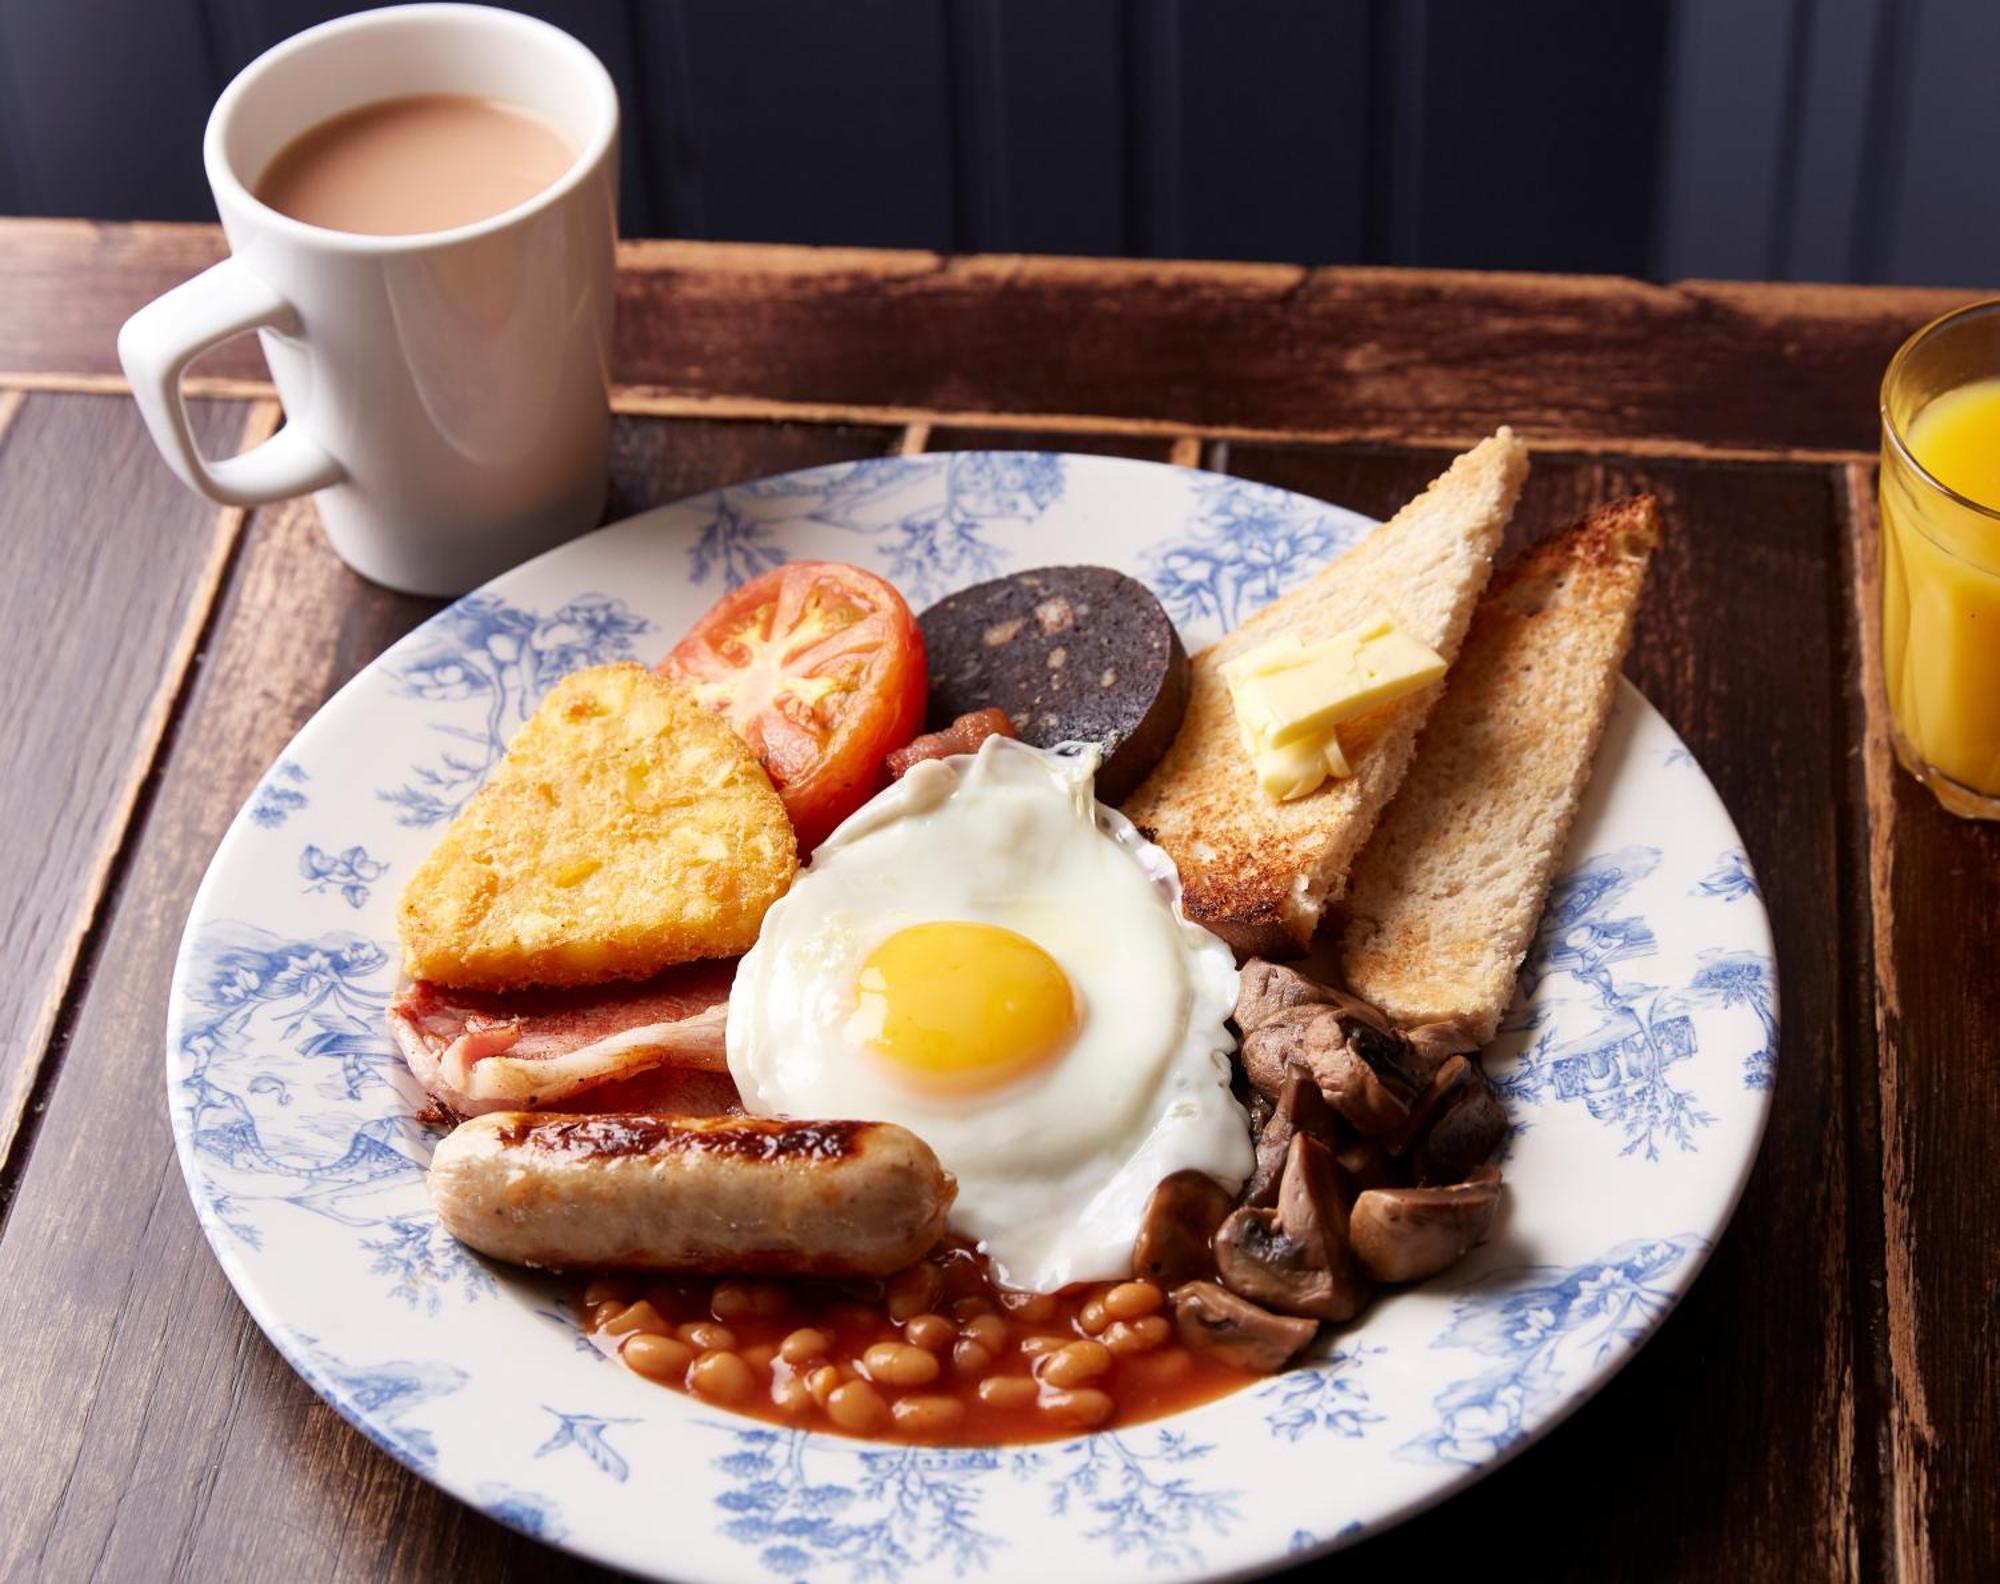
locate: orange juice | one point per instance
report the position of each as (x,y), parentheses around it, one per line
(1941,588)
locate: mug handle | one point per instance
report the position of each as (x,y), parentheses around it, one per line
(155,347)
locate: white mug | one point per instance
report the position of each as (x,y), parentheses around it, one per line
(445,393)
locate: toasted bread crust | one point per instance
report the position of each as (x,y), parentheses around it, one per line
(1447,895)
(1257,871)
(626,830)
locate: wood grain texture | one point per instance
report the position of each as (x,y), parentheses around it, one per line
(112,569)
(176,1442)
(1356,354)
(1937,1022)
(954,437)
(1727,1448)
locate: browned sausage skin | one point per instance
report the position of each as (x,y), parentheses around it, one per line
(713,1195)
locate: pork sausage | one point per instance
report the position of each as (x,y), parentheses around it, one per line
(708,1195)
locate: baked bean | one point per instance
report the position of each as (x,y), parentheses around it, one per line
(791,1393)
(857,1407)
(988,1330)
(1083,1408)
(768,1299)
(824,1381)
(854,1317)
(912,1291)
(721,1376)
(742,1300)
(931,1331)
(970,1309)
(707,1336)
(729,1301)
(804,1345)
(1007,1391)
(1137,1336)
(1092,1316)
(759,1357)
(1034,1308)
(928,1414)
(660,1358)
(640,1316)
(1035,1344)
(895,1364)
(1132,1300)
(595,1316)
(607,1289)
(969,1357)
(1075,1364)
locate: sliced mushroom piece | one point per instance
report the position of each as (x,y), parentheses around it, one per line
(1439,1040)
(1463,1135)
(1365,1163)
(1407,1234)
(1317,1039)
(1450,1077)
(1175,1233)
(1264,989)
(1212,1320)
(1299,1108)
(1295,1258)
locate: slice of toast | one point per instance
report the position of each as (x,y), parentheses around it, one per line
(627,829)
(1447,894)
(1257,871)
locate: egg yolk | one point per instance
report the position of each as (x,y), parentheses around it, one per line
(960,1007)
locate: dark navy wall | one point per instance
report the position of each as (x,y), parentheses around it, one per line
(1813,139)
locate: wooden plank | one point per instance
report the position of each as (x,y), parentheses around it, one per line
(1239,351)
(1241,194)
(1578,87)
(1039,125)
(1934,225)
(75,78)
(851,144)
(653,462)
(112,571)
(1937,1016)
(1721,208)
(953,437)
(1749,1463)
(171,1439)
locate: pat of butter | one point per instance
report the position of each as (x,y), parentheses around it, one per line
(1291,698)
(1297,768)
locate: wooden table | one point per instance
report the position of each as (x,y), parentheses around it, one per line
(1825,1403)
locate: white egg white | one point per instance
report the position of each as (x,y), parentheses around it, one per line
(1054,1170)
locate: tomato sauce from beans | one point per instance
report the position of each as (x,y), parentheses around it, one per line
(933,1354)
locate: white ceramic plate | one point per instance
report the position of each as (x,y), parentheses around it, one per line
(1636,1066)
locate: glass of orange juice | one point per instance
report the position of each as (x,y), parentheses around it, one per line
(1940,495)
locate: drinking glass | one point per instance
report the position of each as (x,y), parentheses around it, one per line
(1941,576)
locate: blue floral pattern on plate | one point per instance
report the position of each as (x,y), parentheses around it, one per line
(1638,1059)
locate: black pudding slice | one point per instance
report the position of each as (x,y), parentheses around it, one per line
(1072,654)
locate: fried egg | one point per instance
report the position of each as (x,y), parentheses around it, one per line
(986,955)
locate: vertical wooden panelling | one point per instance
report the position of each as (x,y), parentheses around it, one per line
(1273,129)
(102,104)
(1725,139)
(1942,225)
(812,123)
(1833,140)
(1039,125)
(1540,135)
(1152,30)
